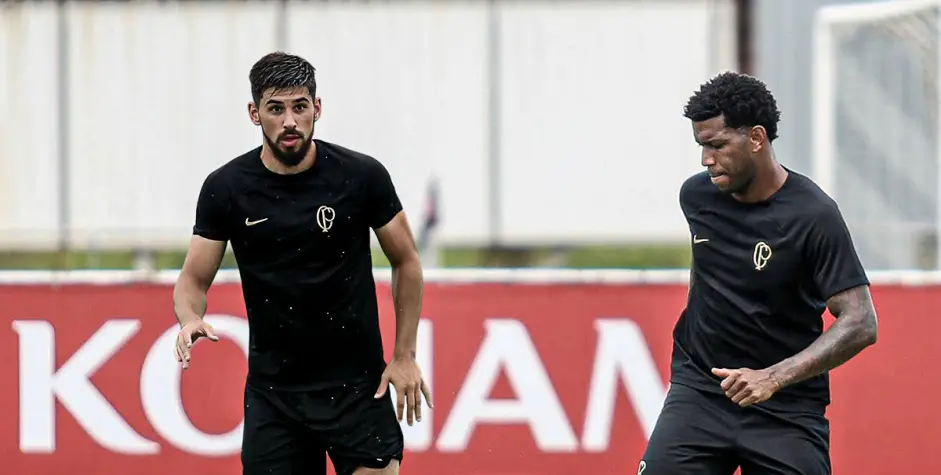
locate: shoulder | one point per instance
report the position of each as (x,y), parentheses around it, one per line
(812,202)
(223,177)
(696,189)
(697,183)
(353,162)
(811,213)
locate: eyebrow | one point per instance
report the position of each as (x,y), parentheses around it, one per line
(716,137)
(279,102)
(712,142)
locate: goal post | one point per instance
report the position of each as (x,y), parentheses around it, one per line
(876,96)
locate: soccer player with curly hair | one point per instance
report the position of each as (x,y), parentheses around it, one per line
(771,251)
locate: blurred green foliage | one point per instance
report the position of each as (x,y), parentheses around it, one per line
(638,256)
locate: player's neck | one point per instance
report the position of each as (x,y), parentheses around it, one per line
(276,166)
(769,178)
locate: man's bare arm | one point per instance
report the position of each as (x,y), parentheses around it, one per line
(856,327)
(199,270)
(407,281)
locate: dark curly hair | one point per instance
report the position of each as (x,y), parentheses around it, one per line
(281,71)
(743,101)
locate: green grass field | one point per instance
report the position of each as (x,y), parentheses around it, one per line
(639,256)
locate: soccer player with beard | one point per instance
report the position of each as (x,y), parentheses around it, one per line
(298,213)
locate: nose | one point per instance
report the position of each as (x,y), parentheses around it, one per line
(289,121)
(708,159)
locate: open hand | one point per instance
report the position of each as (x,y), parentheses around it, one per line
(403,372)
(187,336)
(747,386)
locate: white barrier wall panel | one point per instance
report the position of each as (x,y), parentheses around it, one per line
(29,139)
(594,145)
(159,99)
(406,83)
(595,141)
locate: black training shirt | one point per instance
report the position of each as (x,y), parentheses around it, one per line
(761,276)
(302,243)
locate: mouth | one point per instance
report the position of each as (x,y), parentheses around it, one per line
(290,140)
(719,178)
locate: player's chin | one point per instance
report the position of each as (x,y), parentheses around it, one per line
(722,182)
(293,149)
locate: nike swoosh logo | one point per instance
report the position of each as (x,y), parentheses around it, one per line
(249,222)
(699,241)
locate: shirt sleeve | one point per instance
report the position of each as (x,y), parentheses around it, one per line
(832,255)
(212,209)
(684,198)
(382,201)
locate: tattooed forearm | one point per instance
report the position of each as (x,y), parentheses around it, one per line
(855,329)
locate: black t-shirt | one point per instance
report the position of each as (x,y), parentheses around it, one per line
(302,243)
(761,276)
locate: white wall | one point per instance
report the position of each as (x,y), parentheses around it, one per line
(594,145)
(29,139)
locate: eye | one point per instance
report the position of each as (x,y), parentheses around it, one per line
(300,107)
(275,109)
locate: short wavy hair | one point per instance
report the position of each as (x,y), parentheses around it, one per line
(281,71)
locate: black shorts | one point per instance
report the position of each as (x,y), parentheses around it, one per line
(291,432)
(700,433)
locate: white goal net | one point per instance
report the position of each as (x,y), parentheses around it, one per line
(876,143)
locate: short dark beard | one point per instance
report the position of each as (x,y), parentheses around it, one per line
(288,159)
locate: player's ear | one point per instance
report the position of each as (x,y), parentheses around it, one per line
(756,138)
(253,113)
(318,108)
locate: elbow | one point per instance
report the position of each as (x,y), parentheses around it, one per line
(871,335)
(407,272)
(859,330)
(187,284)
(409,269)
(409,263)
(868,332)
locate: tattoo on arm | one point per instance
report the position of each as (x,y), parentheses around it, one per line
(854,330)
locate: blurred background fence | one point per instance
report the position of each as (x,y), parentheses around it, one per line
(552,131)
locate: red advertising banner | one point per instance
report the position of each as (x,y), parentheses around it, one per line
(528,378)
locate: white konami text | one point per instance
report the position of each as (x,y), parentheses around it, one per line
(621,358)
